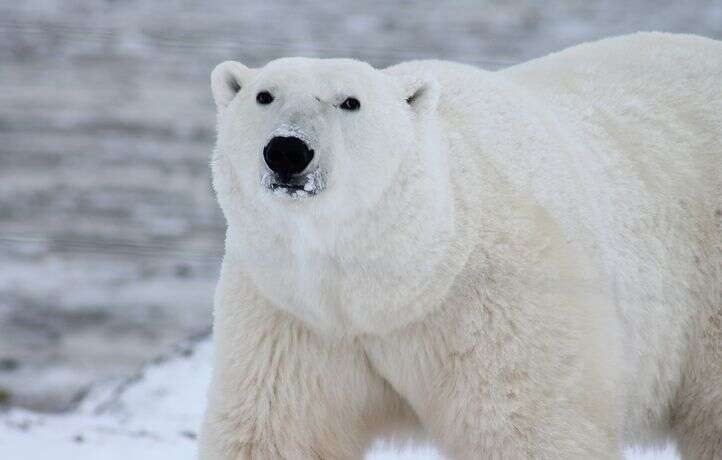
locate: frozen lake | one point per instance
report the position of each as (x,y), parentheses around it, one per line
(110,238)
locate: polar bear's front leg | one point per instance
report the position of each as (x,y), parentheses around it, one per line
(502,396)
(279,391)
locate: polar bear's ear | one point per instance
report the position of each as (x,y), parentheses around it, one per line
(421,92)
(227,79)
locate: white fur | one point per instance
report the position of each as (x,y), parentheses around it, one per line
(518,264)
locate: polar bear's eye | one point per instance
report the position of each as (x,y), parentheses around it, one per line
(351,103)
(264,98)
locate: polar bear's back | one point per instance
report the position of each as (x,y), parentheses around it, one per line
(626,139)
(654,97)
(643,120)
(621,140)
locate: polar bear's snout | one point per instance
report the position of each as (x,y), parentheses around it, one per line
(287,156)
(290,168)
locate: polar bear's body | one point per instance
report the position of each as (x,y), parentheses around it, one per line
(645,162)
(628,159)
(543,280)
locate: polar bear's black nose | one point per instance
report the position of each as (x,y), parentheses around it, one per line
(287,156)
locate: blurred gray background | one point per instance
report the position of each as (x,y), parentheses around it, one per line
(110,237)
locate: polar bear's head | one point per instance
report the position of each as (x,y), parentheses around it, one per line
(318,165)
(297,127)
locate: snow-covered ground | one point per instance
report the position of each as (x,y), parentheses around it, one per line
(151,416)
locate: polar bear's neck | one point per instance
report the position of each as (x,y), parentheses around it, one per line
(387,268)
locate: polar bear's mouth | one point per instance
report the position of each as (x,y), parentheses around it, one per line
(298,186)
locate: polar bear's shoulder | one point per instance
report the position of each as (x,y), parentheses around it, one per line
(645,58)
(452,76)
(640,48)
(436,67)
(459,83)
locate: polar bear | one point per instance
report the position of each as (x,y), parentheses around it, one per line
(514,264)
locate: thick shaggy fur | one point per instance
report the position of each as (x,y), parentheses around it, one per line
(517,264)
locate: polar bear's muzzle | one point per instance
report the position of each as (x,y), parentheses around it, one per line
(287,159)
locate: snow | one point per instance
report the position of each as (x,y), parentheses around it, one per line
(153,415)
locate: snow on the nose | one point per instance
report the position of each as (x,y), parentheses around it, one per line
(289,130)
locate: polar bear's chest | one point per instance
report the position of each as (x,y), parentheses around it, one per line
(295,277)
(341,286)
